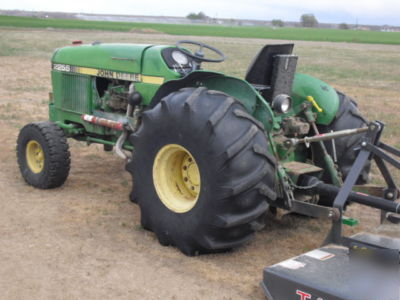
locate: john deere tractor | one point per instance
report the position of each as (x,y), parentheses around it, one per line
(211,155)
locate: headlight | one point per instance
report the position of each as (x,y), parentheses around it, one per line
(282,103)
(179,57)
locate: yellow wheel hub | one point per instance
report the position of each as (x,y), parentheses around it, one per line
(176,178)
(34,156)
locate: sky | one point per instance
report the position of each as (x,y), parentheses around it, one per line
(372,12)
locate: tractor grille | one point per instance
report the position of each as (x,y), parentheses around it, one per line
(75,93)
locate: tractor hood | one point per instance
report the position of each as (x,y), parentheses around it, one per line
(114,57)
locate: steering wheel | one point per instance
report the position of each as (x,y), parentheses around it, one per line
(198,56)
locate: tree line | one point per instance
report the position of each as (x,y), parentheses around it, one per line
(306,20)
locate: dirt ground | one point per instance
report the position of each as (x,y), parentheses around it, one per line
(84,240)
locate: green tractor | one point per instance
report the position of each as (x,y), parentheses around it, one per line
(211,155)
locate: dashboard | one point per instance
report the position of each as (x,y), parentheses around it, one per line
(177,60)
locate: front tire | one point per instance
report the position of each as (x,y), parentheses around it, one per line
(43,155)
(202,172)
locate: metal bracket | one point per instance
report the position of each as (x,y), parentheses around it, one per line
(314,210)
(371,148)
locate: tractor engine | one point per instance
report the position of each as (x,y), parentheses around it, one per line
(112,95)
(295,126)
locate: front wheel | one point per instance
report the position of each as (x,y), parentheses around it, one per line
(201,171)
(43,155)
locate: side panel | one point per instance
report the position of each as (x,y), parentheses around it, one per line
(72,97)
(324,95)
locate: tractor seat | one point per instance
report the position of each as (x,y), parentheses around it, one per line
(265,72)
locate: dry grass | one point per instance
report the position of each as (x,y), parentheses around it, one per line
(83,240)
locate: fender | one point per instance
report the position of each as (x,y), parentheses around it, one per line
(325,96)
(235,87)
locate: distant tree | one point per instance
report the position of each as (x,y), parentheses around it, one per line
(277,23)
(198,16)
(343,26)
(308,20)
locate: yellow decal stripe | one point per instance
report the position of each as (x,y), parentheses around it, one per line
(87,71)
(152,79)
(109,74)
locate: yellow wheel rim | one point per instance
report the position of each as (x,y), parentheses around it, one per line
(176,178)
(35,156)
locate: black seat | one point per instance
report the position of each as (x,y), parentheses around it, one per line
(260,69)
(265,71)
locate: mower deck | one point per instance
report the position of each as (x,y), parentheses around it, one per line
(331,273)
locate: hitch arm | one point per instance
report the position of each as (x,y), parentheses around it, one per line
(361,198)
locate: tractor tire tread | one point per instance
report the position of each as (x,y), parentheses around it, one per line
(264,152)
(241,143)
(268,192)
(58,156)
(237,205)
(242,114)
(220,112)
(242,218)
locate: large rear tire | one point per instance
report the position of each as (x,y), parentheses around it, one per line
(43,155)
(347,117)
(202,171)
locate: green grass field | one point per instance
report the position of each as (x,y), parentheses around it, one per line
(306,34)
